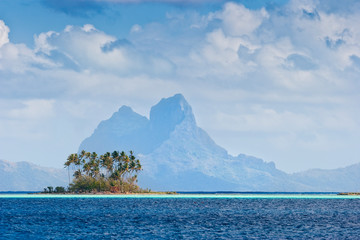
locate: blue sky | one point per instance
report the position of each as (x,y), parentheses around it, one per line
(273,79)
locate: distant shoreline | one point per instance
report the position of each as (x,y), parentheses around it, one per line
(161,195)
(186,193)
(106,193)
(349,193)
(204,192)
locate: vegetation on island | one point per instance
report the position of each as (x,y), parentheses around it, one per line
(51,189)
(111,172)
(349,193)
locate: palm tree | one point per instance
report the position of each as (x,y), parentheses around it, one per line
(78,161)
(118,168)
(77,174)
(116,157)
(134,166)
(50,189)
(67,165)
(108,163)
(87,168)
(72,159)
(96,164)
(82,154)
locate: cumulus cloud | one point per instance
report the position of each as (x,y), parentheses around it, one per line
(4,33)
(18,58)
(285,43)
(88,48)
(288,74)
(33,109)
(238,20)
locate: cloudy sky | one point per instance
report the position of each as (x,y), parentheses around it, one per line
(279,80)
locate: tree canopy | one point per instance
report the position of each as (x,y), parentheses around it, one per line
(115,172)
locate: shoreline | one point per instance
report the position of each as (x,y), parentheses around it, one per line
(190,194)
(349,193)
(161,195)
(108,193)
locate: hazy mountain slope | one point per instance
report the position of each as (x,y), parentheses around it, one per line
(24,176)
(189,149)
(178,155)
(125,128)
(341,179)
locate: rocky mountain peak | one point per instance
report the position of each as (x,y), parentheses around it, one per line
(177,154)
(124,112)
(170,112)
(125,109)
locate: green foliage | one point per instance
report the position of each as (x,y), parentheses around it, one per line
(50,189)
(59,189)
(115,172)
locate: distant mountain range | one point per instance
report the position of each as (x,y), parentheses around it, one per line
(25,176)
(177,155)
(345,179)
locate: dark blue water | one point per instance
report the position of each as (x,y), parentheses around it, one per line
(106,218)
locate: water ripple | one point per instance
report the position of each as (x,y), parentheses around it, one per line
(178,218)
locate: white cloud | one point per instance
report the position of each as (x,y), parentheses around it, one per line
(18,58)
(238,20)
(88,28)
(25,119)
(41,43)
(298,6)
(88,48)
(136,28)
(221,49)
(260,119)
(33,109)
(4,33)
(285,78)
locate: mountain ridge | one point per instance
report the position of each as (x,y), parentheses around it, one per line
(177,155)
(178,151)
(26,176)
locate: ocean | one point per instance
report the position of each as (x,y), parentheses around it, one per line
(184,216)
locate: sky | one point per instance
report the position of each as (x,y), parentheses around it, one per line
(279,80)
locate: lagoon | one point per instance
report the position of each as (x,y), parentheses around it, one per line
(191,195)
(199,216)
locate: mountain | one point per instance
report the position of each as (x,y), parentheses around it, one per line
(25,176)
(178,155)
(345,179)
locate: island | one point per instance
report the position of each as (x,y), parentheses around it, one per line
(349,193)
(109,173)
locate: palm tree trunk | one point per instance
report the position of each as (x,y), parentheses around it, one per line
(69,176)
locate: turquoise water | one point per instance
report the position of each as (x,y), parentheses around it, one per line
(189,216)
(215,196)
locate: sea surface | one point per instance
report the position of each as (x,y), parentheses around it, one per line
(184,216)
